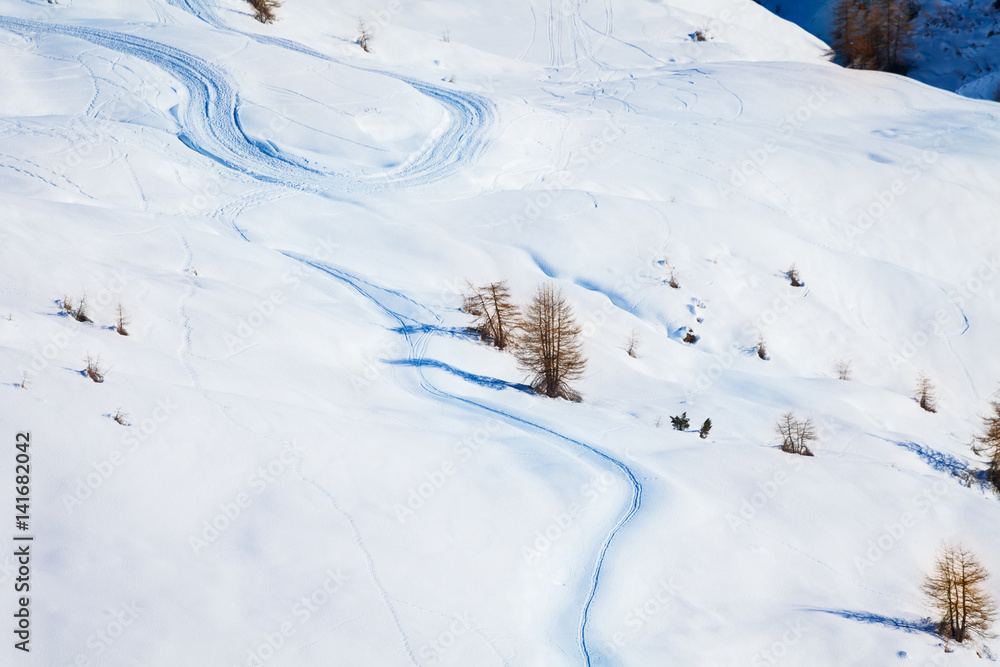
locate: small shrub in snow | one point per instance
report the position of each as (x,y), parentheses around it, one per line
(690,336)
(123,321)
(925,394)
(956,591)
(365,36)
(264,10)
(795,434)
(762,349)
(793,276)
(843,369)
(633,344)
(673,280)
(705,428)
(94,370)
(680,423)
(120,417)
(700,35)
(80,314)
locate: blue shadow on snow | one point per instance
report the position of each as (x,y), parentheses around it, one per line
(481,380)
(924,625)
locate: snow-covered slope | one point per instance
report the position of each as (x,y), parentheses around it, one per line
(320,467)
(956,43)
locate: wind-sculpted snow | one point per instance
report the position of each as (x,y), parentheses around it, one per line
(407,313)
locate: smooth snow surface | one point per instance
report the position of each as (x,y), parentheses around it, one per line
(320,466)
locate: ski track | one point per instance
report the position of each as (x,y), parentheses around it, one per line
(211,126)
(474,117)
(395,305)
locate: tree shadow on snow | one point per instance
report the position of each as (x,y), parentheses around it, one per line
(923,625)
(481,380)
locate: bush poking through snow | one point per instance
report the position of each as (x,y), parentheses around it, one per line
(988,444)
(80,314)
(762,349)
(793,276)
(24,380)
(925,394)
(705,428)
(550,348)
(955,589)
(264,10)
(497,318)
(700,35)
(795,434)
(120,417)
(365,36)
(633,344)
(66,303)
(123,321)
(673,280)
(843,369)
(690,336)
(680,423)
(94,370)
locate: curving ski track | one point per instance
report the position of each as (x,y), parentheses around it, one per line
(474,117)
(404,311)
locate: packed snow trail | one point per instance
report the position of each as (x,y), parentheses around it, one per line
(474,117)
(404,311)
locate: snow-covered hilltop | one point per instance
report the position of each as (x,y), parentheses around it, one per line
(300,456)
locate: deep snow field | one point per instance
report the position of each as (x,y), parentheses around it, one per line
(320,466)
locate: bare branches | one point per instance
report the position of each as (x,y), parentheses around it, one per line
(550,349)
(264,10)
(795,434)
(925,394)
(497,318)
(956,592)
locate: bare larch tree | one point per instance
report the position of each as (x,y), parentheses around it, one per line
(955,589)
(550,348)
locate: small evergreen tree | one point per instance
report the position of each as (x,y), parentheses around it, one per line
(680,423)
(705,428)
(633,344)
